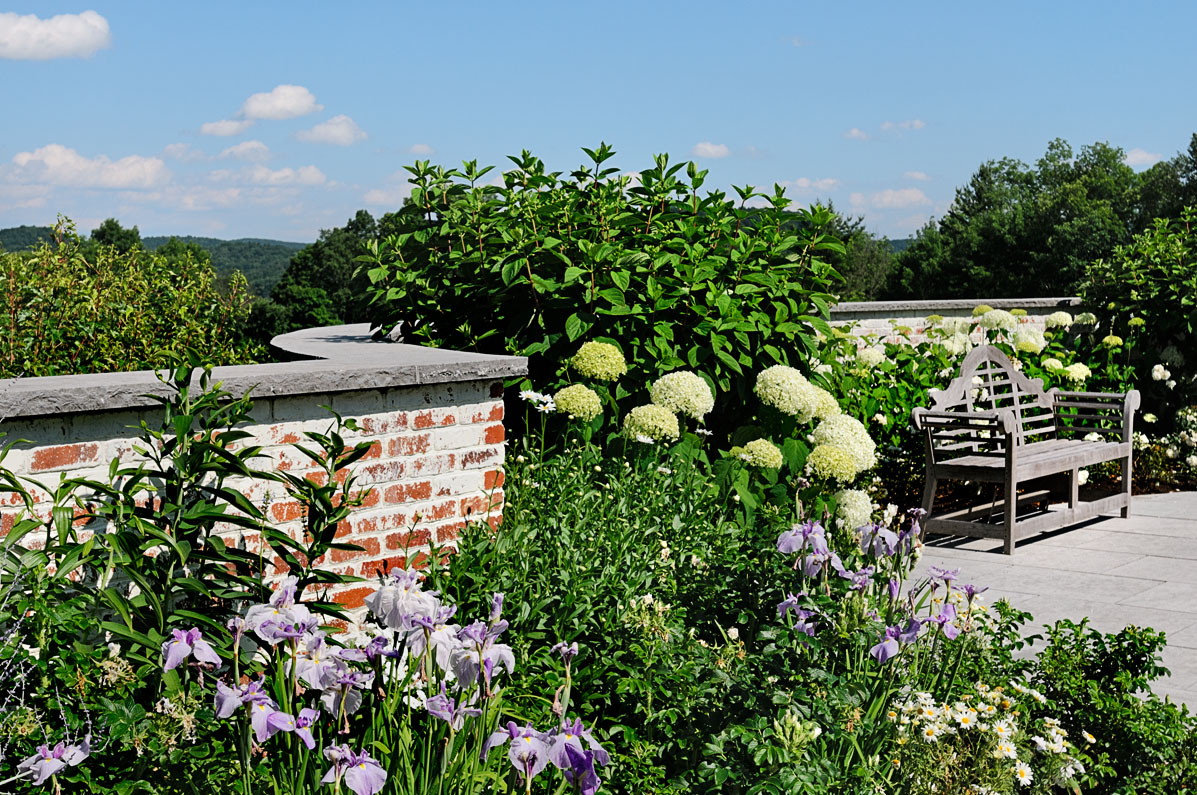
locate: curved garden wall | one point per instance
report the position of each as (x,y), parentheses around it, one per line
(435,418)
(883,318)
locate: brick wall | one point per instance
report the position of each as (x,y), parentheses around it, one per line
(435,462)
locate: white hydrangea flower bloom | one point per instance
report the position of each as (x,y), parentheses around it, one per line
(848,434)
(853,508)
(683,392)
(999,319)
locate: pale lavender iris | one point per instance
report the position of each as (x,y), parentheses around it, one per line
(946,576)
(806,535)
(888,647)
(910,632)
(971,591)
(945,618)
(400,600)
(342,695)
(265,720)
(228,699)
(445,708)
(859,579)
(478,646)
(316,662)
(48,762)
(580,773)
(881,541)
(496,607)
(187,643)
(572,735)
(814,563)
(529,752)
(360,772)
(894,589)
(567,651)
(303,726)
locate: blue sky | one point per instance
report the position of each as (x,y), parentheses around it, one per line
(112,109)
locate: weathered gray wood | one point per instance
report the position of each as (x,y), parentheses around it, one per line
(994,424)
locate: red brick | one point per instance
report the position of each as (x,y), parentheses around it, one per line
(423,420)
(493,479)
(496,413)
(404,492)
(387,423)
(64,455)
(408,445)
(355,597)
(369,546)
(475,458)
(287,511)
(406,539)
(372,568)
(449,532)
(495,434)
(375,451)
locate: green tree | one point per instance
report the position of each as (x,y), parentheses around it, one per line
(111,233)
(319,287)
(1016,230)
(866,261)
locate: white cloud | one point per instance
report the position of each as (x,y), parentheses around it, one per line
(890,199)
(225,127)
(1141,157)
(252,150)
(16,197)
(63,36)
(392,194)
(856,134)
(708,149)
(797,41)
(805,183)
(283,102)
(420,149)
(182,151)
(909,124)
(59,165)
(857,200)
(339,131)
(919,175)
(304,175)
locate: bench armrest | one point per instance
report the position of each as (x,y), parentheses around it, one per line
(1130,400)
(1098,410)
(1004,418)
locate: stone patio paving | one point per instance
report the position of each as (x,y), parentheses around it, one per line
(1141,570)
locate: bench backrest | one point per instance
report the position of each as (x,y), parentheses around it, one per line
(988,381)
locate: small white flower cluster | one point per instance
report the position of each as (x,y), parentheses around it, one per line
(683,392)
(1058,320)
(958,344)
(870,357)
(1161,373)
(956,325)
(544,403)
(989,718)
(788,391)
(1029,340)
(998,319)
(850,435)
(853,508)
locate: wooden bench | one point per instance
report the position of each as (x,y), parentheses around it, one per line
(994,425)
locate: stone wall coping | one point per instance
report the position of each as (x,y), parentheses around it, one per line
(332,359)
(850,310)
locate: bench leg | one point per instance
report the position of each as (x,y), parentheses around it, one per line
(1074,488)
(1126,486)
(928,502)
(1010,515)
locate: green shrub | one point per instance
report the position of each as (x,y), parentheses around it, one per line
(543,262)
(74,307)
(1149,288)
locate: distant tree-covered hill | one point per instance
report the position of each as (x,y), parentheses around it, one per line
(262,261)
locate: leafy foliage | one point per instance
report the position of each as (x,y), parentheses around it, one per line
(673,277)
(74,307)
(1017,231)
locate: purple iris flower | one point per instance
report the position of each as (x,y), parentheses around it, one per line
(580,772)
(361,773)
(910,632)
(264,719)
(48,762)
(496,607)
(571,735)
(342,694)
(944,620)
(970,590)
(399,599)
(303,726)
(478,646)
(813,563)
(888,647)
(788,604)
(567,652)
(882,541)
(808,534)
(945,576)
(316,663)
(859,579)
(445,708)
(228,699)
(274,624)
(894,589)
(187,643)
(529,752)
